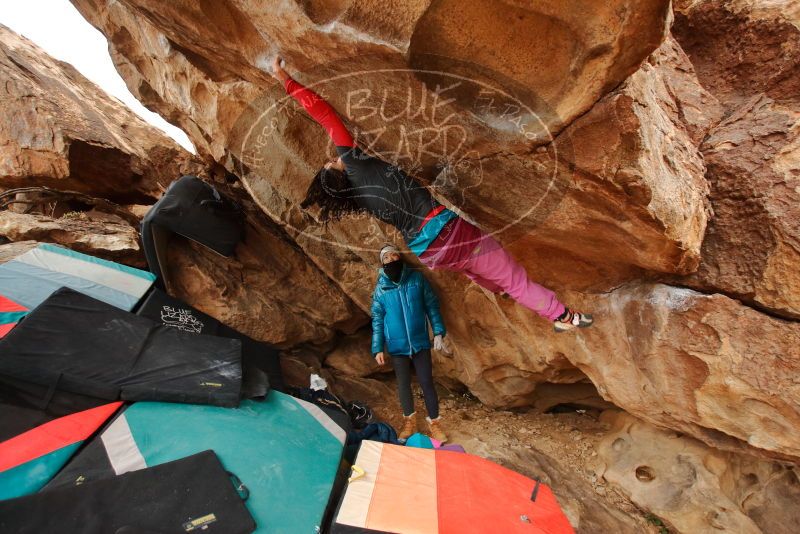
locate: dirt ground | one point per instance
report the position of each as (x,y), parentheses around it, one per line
(559,447)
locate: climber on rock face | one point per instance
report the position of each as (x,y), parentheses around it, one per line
(356,183)
(402,305)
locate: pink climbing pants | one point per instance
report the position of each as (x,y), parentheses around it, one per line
(464,248)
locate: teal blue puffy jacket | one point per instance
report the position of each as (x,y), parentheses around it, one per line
(400,314)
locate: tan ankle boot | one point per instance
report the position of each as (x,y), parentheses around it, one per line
(436,429)
(410,426)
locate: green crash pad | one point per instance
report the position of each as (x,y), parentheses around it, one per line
(285,451)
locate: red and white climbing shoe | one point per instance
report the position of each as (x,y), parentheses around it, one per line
(572,319)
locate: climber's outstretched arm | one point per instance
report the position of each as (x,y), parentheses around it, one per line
(316,106)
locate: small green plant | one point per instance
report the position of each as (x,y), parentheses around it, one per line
(655,520)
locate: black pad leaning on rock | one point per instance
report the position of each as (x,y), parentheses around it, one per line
(194,209)
(261,366)
(75,343)
(193,494)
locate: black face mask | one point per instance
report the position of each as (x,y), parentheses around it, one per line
(393,270)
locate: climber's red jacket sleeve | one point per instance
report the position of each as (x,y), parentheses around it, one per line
(320,111)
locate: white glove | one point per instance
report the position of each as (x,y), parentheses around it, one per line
(318,383)
(440,344)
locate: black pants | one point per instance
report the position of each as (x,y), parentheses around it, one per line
(424,369)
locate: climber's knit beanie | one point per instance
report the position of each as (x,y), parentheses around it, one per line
(386,250)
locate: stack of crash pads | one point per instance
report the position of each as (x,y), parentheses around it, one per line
(285,451)
(413,490)
(77,344)
(72,344)
(26,282)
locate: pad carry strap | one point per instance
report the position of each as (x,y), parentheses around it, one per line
(241,489)
(535,489)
